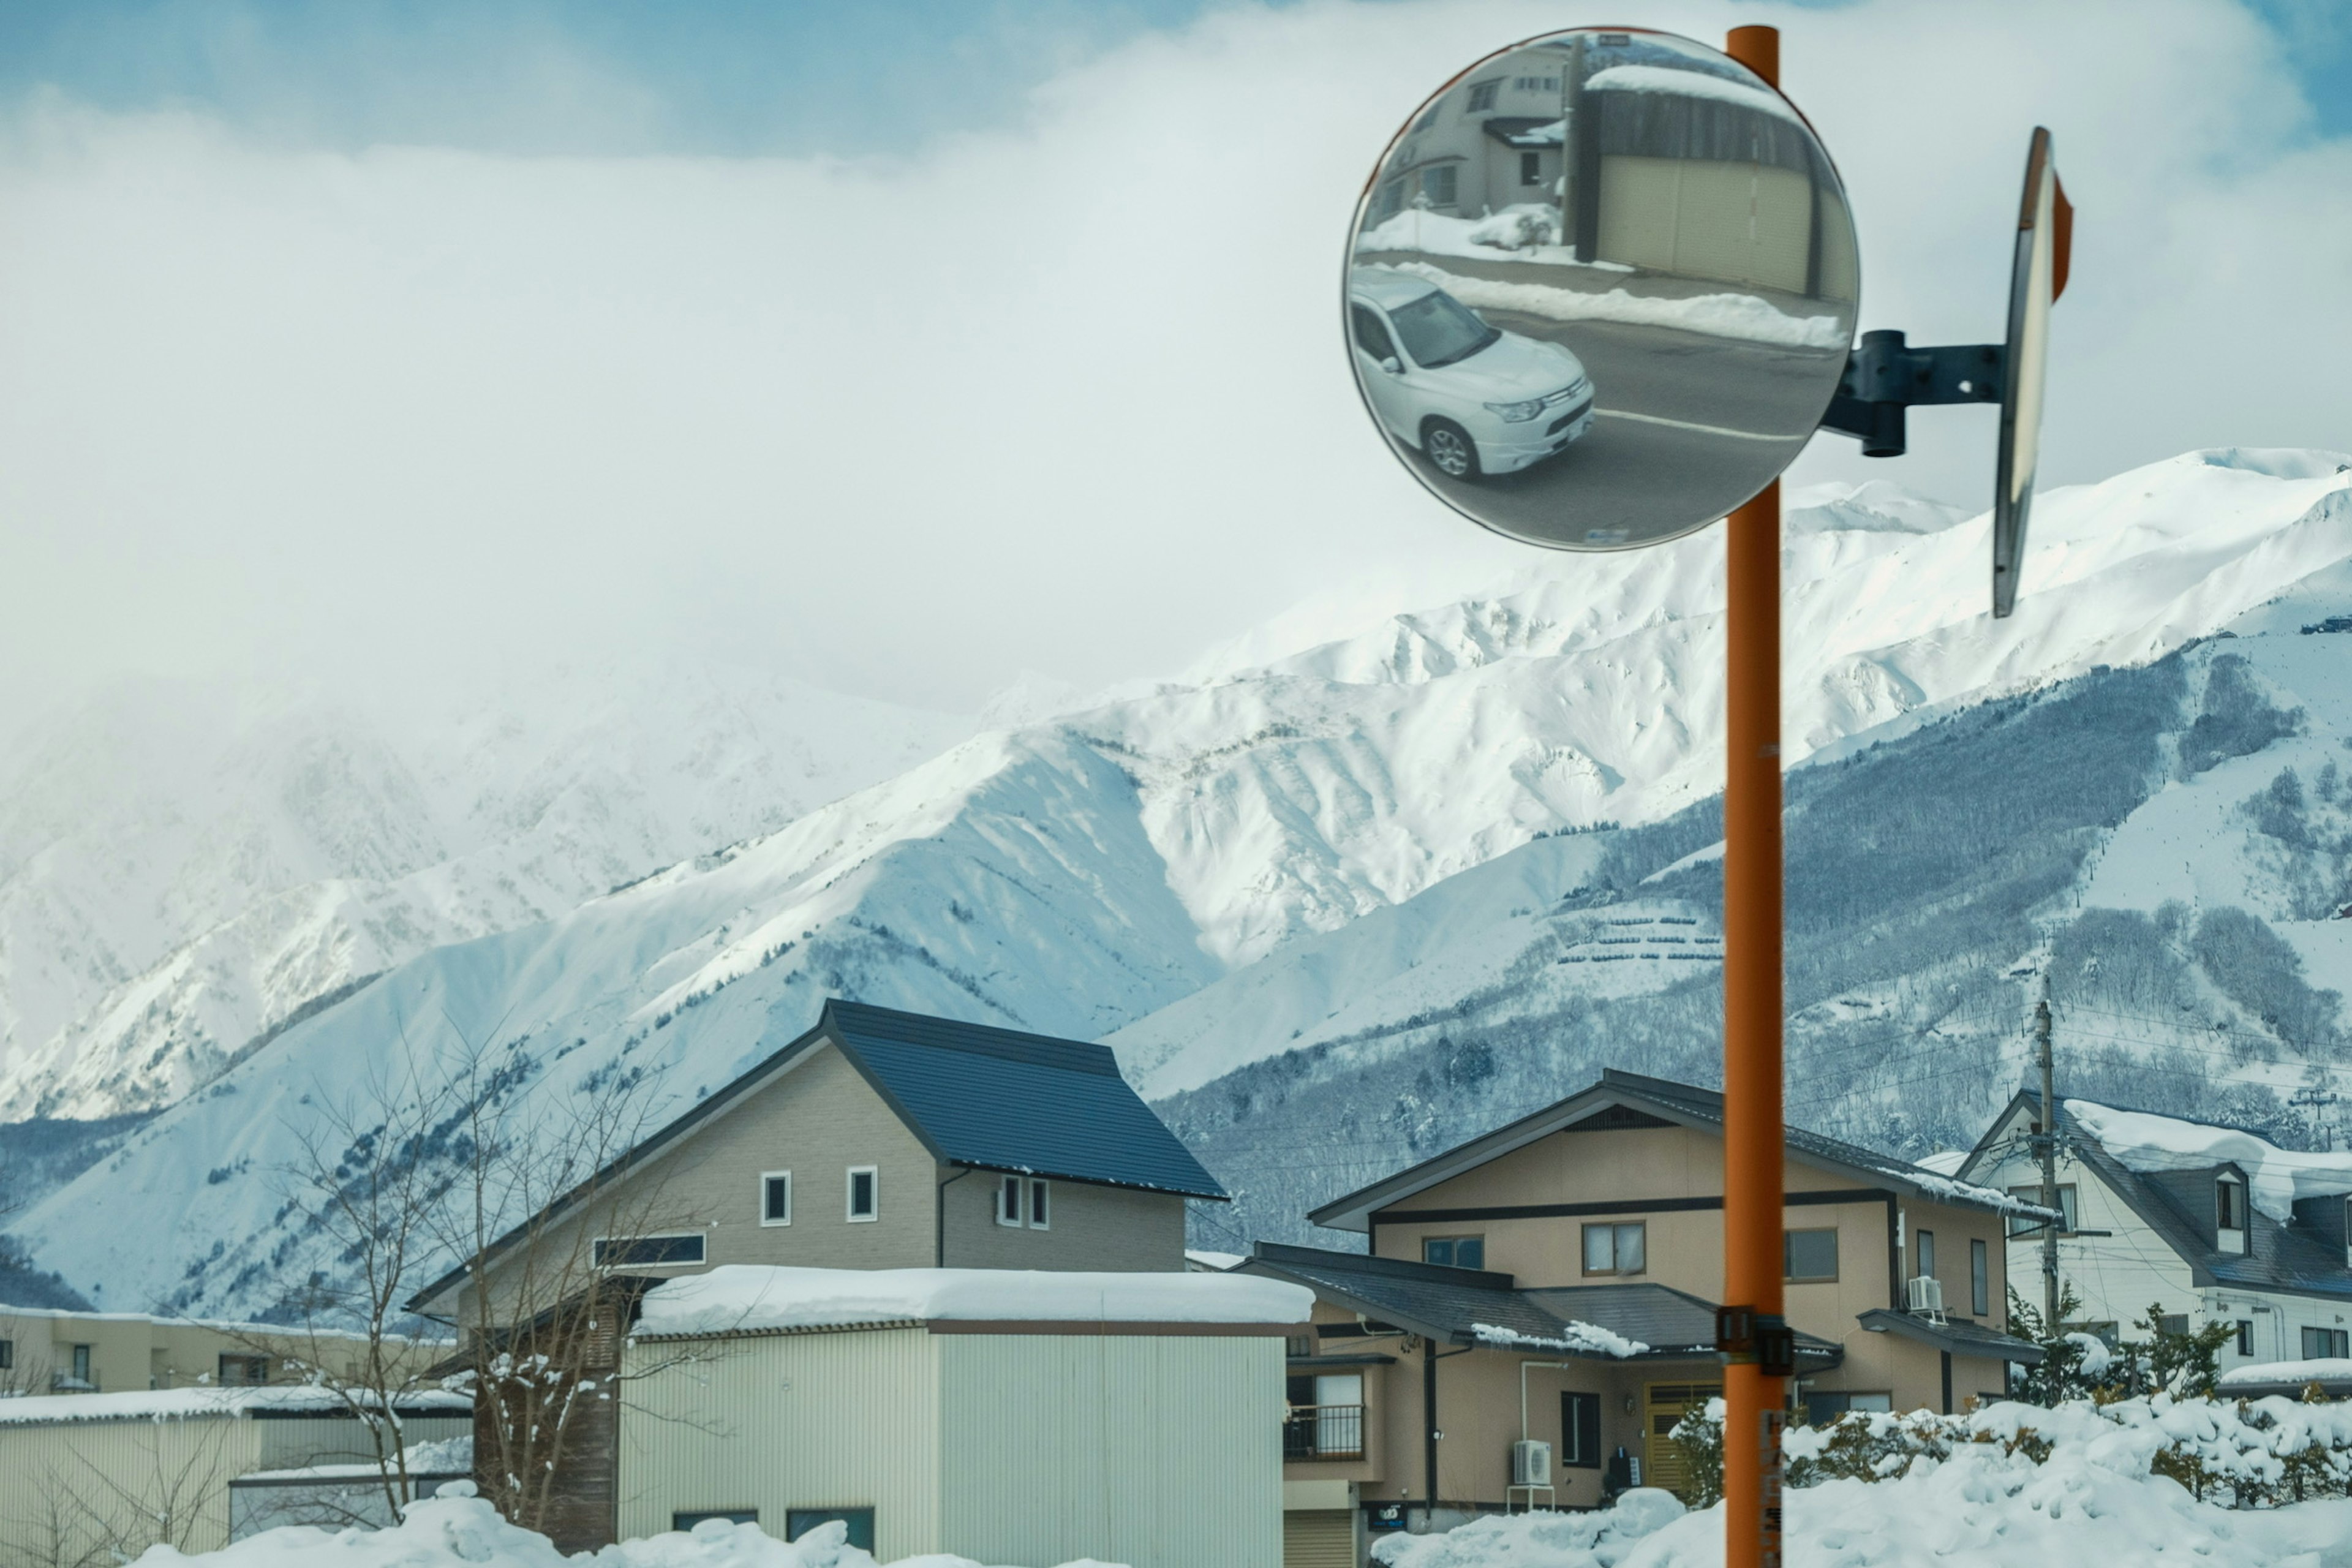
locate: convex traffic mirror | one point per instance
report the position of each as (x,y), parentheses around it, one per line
(1600,287)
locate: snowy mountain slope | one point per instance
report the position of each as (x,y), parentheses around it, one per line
(1081,874)
(181,872)
(1935,881)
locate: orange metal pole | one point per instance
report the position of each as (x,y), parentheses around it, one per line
(1752,1131)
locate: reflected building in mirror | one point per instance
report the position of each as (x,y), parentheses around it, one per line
(1602,289)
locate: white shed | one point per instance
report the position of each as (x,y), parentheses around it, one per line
(103,1476)
(1001,1415)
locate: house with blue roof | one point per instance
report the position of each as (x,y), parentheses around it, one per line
(884,1139)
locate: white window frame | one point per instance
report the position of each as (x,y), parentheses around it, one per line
(849,1193)
(1013,1187)
(700,1238)
(785,1177)
(1038,1200)
(1616,1264)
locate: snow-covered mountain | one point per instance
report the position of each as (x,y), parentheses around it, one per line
(183,871)
(1299,804)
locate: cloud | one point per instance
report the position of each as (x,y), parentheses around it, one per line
(1064,396)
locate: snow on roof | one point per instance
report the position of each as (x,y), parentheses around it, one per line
(274,1332)
(1578,1338)
(2330,1369)
(1936,1187)
(1688,84)
(1200,1258)
(2142,1140)
(1944,1162)
(745,1298)
(209,1403)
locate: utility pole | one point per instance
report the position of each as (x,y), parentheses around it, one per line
(1759,1352)
(2047,1139)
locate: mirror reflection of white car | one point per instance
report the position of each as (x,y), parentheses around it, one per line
(1473,399)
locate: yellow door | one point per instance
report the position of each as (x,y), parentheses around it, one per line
(1668,1403)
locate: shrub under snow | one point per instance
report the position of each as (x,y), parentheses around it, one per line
(2087,1485)
(463,1531)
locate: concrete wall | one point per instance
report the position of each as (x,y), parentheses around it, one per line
(1156,1451)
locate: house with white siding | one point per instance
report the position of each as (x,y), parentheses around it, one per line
(2205,1221)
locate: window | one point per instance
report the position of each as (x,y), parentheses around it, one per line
(241,1369)
(1531,168)
(648,1251)
(2325,1344)
(1008,1201)
(1041,1209)
(1438,185)
(775,1197)
(1454,1251)
(1483,95)
(1580,1430)
(1536,84)
(2246,1336)
(1615,1248)
(1928,1254)
(2019,1225)
(1824,1407)
(7,1355)
(79,1361)
(1391,201)
(799,1522)
(2172,1322)
(2226,1207)
(1979,1280)
(865,1194)
(1024,1201)
(686,1520)
(1808,1255)
(1371,334)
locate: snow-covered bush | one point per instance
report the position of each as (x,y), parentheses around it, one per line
(1519,226)
(1603,1536)
(1697,1440)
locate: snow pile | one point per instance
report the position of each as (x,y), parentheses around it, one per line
(744,1297)
(1716,315)
(2328,1369)
(210,1403)
(2144,1142)
(456,1530)
(2012,1484)
(1969,1193)
(1601,1537)
(1576,1338)
(1441,234)
(1944,1162)
(1689,84)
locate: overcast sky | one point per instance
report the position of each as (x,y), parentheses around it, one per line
(909,347)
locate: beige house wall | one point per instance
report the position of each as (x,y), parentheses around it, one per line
(819,1120)
(1088,1227)
(132,1351)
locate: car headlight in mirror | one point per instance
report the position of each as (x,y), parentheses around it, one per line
(1517,413)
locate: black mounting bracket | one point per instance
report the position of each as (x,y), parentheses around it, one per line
(1884,375)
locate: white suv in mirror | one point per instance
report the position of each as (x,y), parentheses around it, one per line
(1472,398)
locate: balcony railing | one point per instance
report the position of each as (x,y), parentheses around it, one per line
(1324,1432)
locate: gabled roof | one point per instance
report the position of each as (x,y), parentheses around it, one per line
(1959,1336)
(2283,1259)
(1666,1103)
(1452,1306)
(995,1099)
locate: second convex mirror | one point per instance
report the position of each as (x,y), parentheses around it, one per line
(1601,288)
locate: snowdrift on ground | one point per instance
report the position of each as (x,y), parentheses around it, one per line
(454,1532)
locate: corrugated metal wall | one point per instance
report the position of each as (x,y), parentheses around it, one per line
(820,1420)
(105,1491)
(1736,223)
(1159,1452)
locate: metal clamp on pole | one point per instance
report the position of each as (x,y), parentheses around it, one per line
(1884,375)
(1776,1347)
(1735,1333)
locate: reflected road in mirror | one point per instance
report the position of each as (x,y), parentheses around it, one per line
(1601,340)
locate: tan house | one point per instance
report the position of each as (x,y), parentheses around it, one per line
(877,1139)
(1555,1282)
(43,1350)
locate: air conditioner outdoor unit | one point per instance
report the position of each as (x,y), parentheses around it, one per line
(1530,1463)
(1925,1295)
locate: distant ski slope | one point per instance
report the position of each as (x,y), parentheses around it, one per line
(1092,873)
